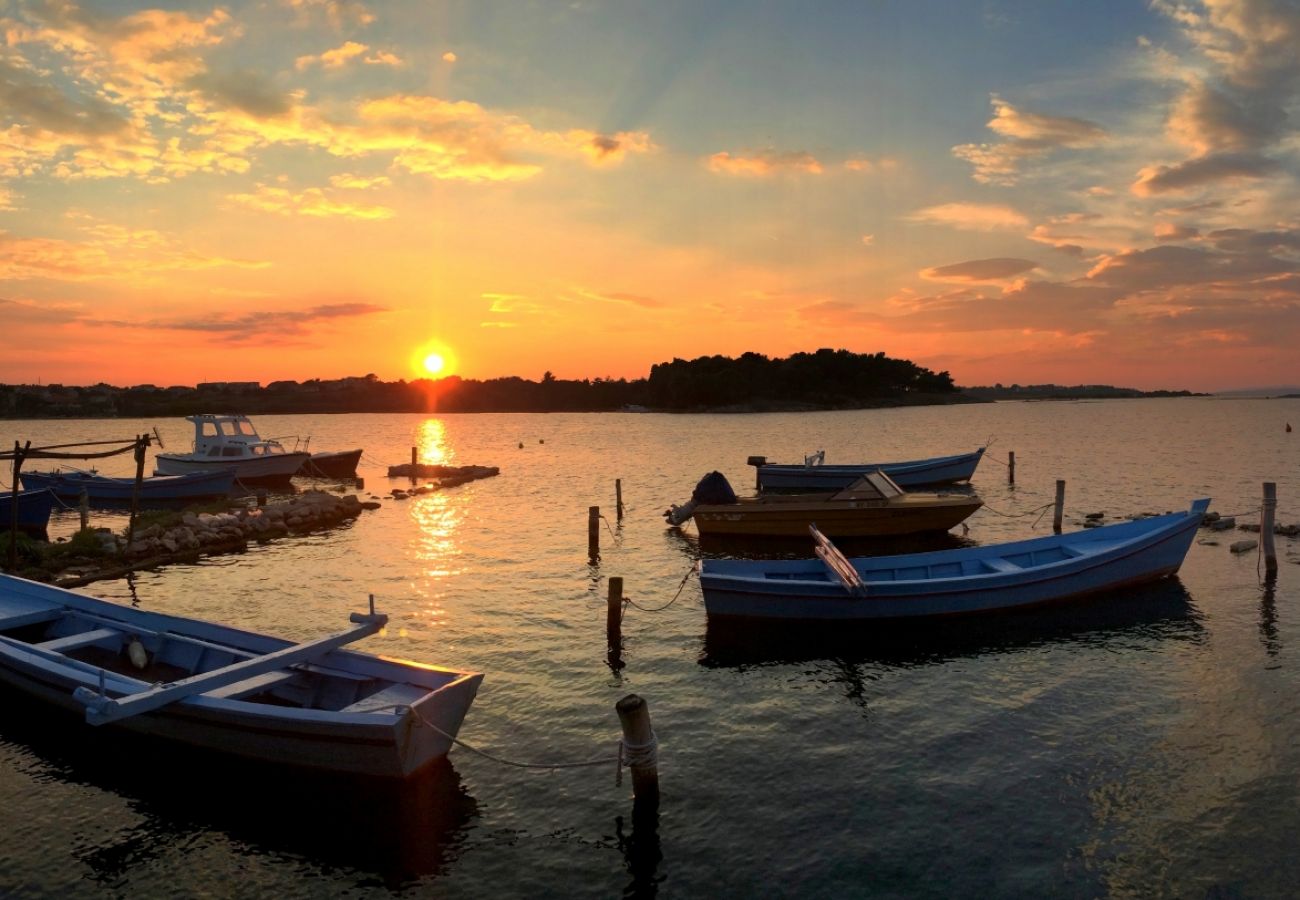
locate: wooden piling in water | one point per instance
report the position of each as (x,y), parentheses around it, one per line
(84,506)
(618,498)
(1060,506)
(1011,467)
(1266,514)
(614,612)
(634,716)
(593,531)
(414,450)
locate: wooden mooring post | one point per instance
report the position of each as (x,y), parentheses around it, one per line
(593,532)
(84,506)
(1266,513)
(638,739)
(1060,506)
(1011,467)
(618,498)
(614,623)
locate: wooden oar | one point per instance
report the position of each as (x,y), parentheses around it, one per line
(101,710)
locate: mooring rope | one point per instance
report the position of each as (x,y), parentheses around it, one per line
(1037,509)
(628,601)
(628,754)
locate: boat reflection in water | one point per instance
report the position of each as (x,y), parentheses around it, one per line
(1161,610)
(396,831)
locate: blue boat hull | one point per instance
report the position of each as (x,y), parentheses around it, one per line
(910,473)
(159,490)
(33,510)
(955,582)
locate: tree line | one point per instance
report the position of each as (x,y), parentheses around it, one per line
(826,379)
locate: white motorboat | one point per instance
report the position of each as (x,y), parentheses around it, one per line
(231,441)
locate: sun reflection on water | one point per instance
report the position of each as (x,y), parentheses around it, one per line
(431,439)
(435,548)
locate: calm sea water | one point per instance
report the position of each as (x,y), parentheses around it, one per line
(1145,745)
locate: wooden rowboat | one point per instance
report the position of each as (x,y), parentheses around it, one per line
(103,490)
(814,476)
(332,464)
(952,582)
(33,509)
(872,506)
(312,705)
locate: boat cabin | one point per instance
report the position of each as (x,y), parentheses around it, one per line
(871,486)
(230,437)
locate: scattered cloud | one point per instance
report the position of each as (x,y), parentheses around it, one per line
(995,269)
(1028,135)
(619,298)
(348,53)
(310,202)
(348,181)
(1166,232)
(765,163)
(259,327)
(971,216)
(1205,170)
(449,57)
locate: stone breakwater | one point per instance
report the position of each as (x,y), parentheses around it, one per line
(198,534)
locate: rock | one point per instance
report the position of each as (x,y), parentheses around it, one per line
(1209,517)
(1243,546)
(371,504)
(1092,523)
(1095,516)
(1205,542)
(1222,524)
(1250,526)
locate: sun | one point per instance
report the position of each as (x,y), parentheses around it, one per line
(434,363)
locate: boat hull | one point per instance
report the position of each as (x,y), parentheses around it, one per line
(277,468)
(912,473)
(369,737)
(338,464)
(910,514)
(955,582)
(34,507)
(159,490)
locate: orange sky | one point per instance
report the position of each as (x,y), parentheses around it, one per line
(1012,192)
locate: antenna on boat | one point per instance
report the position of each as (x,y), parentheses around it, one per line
(158,437)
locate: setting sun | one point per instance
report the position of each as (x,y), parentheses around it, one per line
(434,363)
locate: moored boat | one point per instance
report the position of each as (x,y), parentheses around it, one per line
(155,490)
(33,508)
(332,464)
(872,506)
(231,442)
(312,705)
(952,582)
(813,475)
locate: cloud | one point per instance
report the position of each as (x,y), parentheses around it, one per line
(971,216)
(995,269)
(1170,231)
(1029,135)
(1164,268)
(339,13)
(884,164)
(1206,170)
(1245,240)
(348,181)
(110,252)
(349,52)
(254,325)
(449,57)
(764,163)
(30,96)
(620,298)
(310,202)
(245,90)
(1209,121)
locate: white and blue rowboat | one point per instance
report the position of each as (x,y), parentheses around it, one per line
(814,476)
(312,705)
(159,489)
(951,582)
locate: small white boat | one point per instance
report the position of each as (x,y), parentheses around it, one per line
(312,705)
(231,441)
